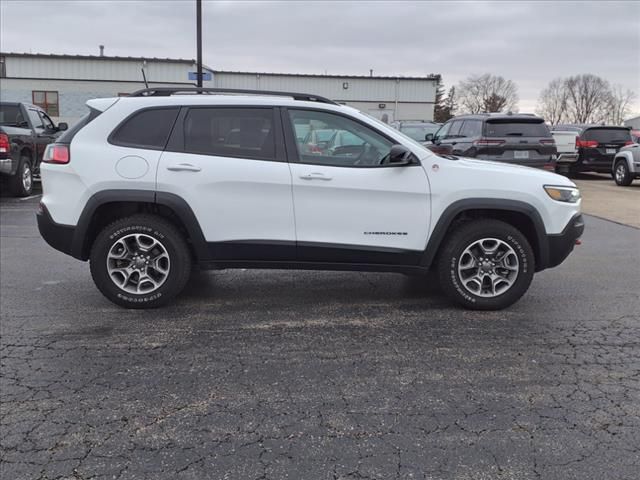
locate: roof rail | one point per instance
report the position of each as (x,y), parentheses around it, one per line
(168,91)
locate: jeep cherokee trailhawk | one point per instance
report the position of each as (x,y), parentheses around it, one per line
(146,186)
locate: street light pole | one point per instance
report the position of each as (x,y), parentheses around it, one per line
(199,39)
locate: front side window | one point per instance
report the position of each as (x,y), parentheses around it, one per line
(46,100)
(35,118)
(230,132)
(146,129)
(454,131)
(442,133)
(335,140)
(48,124)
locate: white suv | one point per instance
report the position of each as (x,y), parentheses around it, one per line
(145,186)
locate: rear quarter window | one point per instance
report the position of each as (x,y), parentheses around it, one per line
(607,135)
(68,135)
(511,128)
(149,128)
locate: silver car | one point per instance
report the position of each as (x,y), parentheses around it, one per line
(626,165)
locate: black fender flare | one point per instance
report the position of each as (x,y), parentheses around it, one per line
(452,211)
(79,245)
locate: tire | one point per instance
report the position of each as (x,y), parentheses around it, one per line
(516,267)
(123,267)
(621,174)
(21,184)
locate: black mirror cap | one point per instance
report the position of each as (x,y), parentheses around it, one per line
(62,126)
(400,155)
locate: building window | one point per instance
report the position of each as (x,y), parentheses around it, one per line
(48,101)
(3,67)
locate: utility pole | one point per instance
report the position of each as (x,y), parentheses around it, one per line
(199,39)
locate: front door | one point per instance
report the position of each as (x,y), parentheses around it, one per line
(228,163)
(351,206)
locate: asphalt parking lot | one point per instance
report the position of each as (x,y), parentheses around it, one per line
(319,375)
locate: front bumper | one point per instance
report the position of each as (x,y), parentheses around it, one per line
(58,236)
(561,245)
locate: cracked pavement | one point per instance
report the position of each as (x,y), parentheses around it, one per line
(318,375)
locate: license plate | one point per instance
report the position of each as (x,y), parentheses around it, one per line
(611,150)
(521,154)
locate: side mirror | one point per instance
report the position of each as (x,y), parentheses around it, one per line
(428,137)
(399,156)
(62,126)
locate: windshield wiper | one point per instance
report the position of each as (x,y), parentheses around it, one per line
(513,134)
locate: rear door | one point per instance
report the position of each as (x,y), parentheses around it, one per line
(598,146)
(471,131)
(523,141)
(229,164)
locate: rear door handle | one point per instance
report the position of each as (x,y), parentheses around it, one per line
(315,176)
(184,167)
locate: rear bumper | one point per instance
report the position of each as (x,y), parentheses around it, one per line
(6,166)
(561,245)
(567,158)
(58,236)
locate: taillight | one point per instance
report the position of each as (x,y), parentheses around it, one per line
(56,153)
(586,143)
(5,146)
(547,141)
(487,142)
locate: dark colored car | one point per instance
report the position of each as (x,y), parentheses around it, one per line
(25,131)
(511,138)
(597,145)
(415,129)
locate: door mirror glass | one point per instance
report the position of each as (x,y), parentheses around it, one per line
(62,126)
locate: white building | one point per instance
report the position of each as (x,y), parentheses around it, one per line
(61,84)
(634,123)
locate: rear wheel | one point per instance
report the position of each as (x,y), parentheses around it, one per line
(486,265)
(621,174)
(140,262)
(21,183)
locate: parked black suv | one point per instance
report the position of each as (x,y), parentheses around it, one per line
(25,131)
(597,145)
(512,138)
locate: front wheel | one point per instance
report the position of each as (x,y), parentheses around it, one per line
(621,174)
(140,262)
(486,265)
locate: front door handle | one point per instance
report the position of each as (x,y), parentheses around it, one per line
(184,167)
(314,176)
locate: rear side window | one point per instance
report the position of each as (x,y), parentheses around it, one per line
(146,129)
(68,135)
(471,128)
(511,128)
(607,135)
(230,132)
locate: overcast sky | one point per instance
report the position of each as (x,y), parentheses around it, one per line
(527,42)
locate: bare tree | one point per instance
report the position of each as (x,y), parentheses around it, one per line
(620,101)
(588,98)
(552,104)
(487,93)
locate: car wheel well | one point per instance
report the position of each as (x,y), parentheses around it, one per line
(26,152)
(518,220)
(109,212)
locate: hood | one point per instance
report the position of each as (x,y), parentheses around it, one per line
(487,166)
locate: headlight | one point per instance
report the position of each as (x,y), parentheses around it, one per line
(563,194)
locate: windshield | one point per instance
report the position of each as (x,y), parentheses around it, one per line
(418,132)
(11,116)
